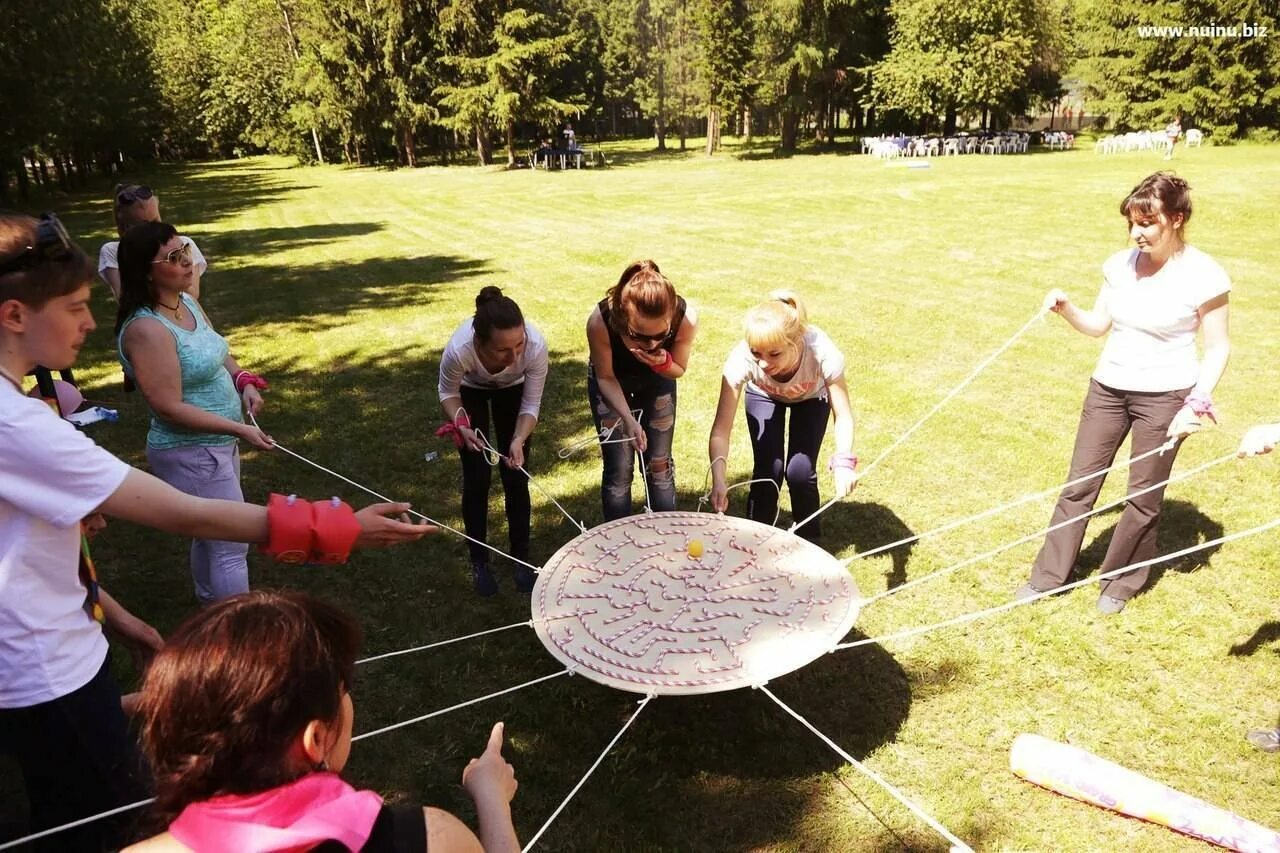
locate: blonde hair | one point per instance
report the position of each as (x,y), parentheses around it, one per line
(779,321)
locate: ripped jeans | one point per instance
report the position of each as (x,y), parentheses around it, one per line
(656,397)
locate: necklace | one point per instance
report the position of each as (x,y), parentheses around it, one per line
(176,308)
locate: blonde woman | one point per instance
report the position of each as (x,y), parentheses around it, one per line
(786,366)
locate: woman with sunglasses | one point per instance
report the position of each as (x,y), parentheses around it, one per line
(640,338)
(194,388)
(492,372)
(247,721)
(133,204)
(786,366)
(61,717)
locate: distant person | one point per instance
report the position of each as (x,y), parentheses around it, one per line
(640,338)
(1257,441)
(247,721)
(787,367)
(1172,131)
(1148,383)
(132,204)
(570,138)
(492,374)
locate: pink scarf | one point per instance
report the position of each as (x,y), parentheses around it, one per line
(297,816)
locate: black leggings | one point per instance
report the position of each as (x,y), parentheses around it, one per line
(797,462)
(477,474)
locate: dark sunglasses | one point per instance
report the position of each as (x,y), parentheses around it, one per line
(649,339)
(52,244)
(134,194)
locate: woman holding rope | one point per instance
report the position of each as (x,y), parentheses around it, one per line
(60,712)
(247,717)
(492,372)
(790,366)
(193,386)
(1148,380)
(640,337)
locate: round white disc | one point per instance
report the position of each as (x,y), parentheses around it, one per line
(634,605)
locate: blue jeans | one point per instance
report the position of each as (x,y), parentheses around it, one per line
(219,569)
(656,398)
(797,462)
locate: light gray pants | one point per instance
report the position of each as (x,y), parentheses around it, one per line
(218,568)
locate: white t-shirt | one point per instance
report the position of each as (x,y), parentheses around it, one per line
(820,365)
(108,253)
(459,365)
(51,476)
(1152,345)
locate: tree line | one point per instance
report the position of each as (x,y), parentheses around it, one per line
(88,84)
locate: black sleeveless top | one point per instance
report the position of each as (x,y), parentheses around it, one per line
(398,829)
(627,366)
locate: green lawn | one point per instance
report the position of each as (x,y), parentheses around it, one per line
(342,286)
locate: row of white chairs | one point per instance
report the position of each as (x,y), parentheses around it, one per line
(1144,140)
(888,148)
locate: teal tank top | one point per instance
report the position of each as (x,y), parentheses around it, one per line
(205,381)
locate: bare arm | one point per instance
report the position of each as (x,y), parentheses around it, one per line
(682,349)
(151,502)
(111,276)
(154,357)
(602,366)
(718,444)
(1217,344)
(447,834)
(1095,323)
(845,478)
(491,782)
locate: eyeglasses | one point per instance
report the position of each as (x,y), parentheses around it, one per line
(180,255)
(649,339)
(52,244)
(133,194)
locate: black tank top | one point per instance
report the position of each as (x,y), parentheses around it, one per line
(625,364)
(398,829)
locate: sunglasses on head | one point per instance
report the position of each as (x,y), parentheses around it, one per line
(134,194)
(180,255)
(51,244)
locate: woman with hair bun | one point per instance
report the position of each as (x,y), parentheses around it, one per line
(640,337)
(1148,381)
(246,719)
(492,372)
(786,365)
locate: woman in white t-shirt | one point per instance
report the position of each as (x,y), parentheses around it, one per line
(786,365)
(1148,382)
(493,372)
(133,204)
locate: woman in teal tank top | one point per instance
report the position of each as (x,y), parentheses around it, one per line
(185,371)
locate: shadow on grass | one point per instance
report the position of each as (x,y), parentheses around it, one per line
(228,245)
(1266,634)
(867,526)
(1182,525)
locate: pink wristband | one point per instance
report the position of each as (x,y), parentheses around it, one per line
(665,366)
(843,460)
(1201,404)
(243,379)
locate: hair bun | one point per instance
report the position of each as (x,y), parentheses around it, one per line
(487,294)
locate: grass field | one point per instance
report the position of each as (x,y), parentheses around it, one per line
(342,286)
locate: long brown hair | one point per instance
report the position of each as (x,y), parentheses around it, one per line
(641,288)
(1159,192)
(234,688)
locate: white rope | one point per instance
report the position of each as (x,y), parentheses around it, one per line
(1039,315)
(497,457)
(44,833)
(603,436)
(465,704)
(278,446)
(592,769)
(437,645)
(956,843)
(1047,530)
(705,497)
(952,525)
(980,614)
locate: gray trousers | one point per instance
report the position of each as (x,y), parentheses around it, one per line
(1107,417)
(218,568)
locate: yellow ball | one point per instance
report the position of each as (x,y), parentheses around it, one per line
(695,548)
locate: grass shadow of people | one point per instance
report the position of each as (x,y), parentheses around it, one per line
(1182,525)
